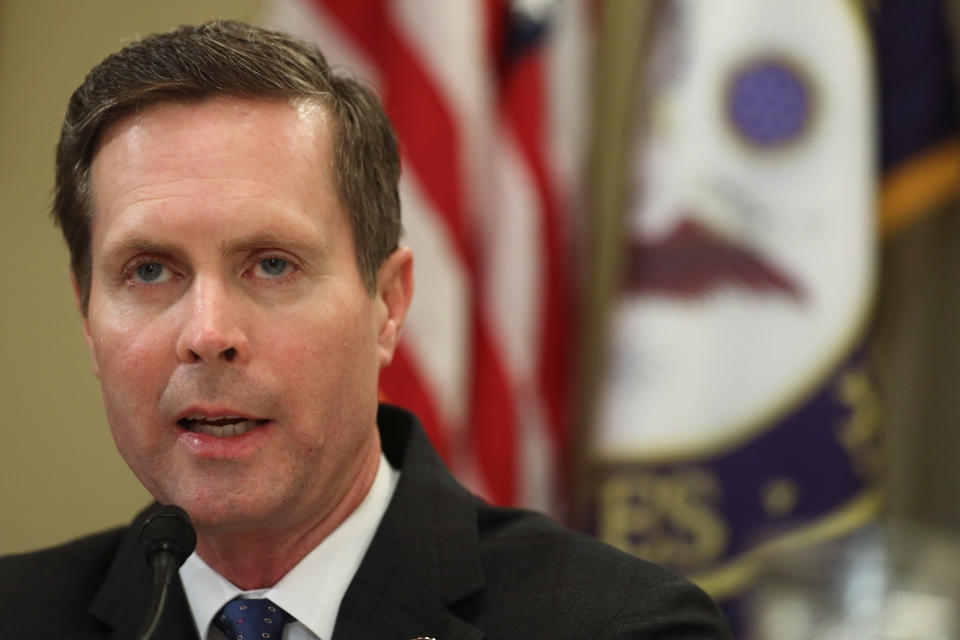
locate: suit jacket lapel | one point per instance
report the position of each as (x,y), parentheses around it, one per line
(424,558)
(124,596)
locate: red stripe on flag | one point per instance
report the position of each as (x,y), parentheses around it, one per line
(496,14)
(494,420)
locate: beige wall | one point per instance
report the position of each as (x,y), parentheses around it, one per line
(59,473)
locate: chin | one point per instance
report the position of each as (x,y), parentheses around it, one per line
(228,513)
(219,518)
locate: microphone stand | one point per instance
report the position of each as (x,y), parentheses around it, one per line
(167,539)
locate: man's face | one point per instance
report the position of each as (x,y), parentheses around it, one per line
(225,297)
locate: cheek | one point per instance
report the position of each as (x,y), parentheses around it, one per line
(132,363)
(327,361)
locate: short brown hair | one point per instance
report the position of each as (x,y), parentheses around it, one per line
(218,58)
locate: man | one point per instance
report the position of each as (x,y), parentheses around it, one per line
(233,220)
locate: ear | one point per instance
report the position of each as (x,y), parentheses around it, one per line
(394,291)
(86,324)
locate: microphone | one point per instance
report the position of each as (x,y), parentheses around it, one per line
(167,539)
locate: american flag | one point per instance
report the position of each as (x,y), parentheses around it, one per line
(486,97)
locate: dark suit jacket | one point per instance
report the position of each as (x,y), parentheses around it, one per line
(442,564)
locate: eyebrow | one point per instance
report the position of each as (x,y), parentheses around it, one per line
(134,244)
(267,239)
(271,239)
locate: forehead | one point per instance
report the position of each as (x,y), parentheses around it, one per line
(222,156)
(178,131)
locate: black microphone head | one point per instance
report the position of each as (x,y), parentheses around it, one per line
(167,528)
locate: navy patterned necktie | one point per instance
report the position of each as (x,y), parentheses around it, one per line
(256,619)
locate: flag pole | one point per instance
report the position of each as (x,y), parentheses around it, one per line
(616,110)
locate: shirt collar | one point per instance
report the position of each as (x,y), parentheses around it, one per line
(312,590)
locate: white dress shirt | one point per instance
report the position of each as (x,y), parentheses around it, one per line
(311,592)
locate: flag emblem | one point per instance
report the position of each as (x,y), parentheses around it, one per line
(769,102)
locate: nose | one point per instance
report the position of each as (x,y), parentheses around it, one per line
(212,331)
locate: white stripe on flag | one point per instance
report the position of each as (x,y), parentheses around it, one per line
(438,322)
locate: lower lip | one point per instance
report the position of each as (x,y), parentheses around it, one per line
(202,445)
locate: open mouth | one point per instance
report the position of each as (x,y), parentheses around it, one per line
(222,427)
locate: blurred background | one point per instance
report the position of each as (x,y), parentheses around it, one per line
(686,280)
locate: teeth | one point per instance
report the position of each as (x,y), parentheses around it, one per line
(222,431)
(200,416)
(220,426)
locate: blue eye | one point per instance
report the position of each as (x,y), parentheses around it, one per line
(273,267)
(149,271)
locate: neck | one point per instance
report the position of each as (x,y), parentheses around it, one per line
(258,558)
